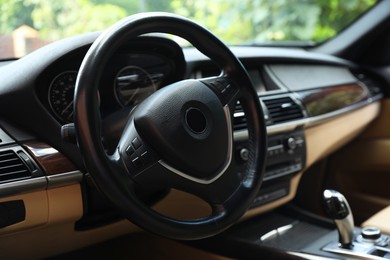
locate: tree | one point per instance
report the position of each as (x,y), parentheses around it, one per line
(233,21)
(137,6)
(269,21)
(161,5)
(59,19)
(14,14)
(131,7)
(336,14)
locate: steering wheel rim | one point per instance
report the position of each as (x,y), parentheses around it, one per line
(112,173)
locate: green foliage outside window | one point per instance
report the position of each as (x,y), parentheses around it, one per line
(236,22)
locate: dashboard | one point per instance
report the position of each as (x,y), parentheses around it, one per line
(294,88)
(298,90)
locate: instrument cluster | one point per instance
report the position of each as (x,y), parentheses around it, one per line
(131,75)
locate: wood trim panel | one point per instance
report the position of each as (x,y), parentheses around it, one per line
(324,100)
(51,160)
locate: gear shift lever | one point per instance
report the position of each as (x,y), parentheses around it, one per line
(336,206)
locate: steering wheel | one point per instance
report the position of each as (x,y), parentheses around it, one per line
(179,137)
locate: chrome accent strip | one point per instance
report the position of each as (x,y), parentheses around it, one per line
(242,135)
(284,229)
(277,232)
(63,179)
(40,183)
(269,235)
(224,168)
(22,186)
(276,147)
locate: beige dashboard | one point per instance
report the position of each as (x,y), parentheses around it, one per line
(51,213)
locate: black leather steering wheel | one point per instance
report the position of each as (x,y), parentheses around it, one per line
(180,137)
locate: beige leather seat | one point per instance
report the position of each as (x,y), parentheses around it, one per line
(380,220)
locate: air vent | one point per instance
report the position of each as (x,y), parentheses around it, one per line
(373,85)
(283,109)
(239,121)
(12,167)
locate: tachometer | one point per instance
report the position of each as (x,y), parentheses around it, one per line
(61,92)
(133,84)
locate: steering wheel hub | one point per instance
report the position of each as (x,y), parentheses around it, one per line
(186,125)
(195,120)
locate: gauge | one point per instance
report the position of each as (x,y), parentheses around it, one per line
(133,84)
(61,92)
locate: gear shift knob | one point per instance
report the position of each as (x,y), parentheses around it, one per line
(337,207)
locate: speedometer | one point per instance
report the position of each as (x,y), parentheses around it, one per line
(61,92)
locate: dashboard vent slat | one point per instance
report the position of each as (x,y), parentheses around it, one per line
(12,167)
(280,110)
(283,109)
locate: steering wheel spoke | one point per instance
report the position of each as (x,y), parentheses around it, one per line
(135,154)
(215,192)
(225,87)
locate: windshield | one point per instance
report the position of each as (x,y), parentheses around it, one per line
(26,25)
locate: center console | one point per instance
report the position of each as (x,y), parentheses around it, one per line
(286,156)
(365,243)
(369,243)
(292,233)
